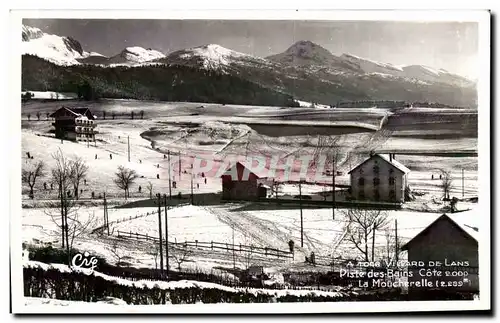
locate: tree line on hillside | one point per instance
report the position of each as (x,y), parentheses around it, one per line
(154,82)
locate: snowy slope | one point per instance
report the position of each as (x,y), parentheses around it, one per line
(134,55)
(211,56)
(369,66)
(57,49)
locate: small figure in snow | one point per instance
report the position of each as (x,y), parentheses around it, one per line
(440,176)
(81,192)
(44,186)
(140,161)
(197,185)
(51,186)
(140,188)
(85,182)
(110,156)
(93,194)
(174,184)
(157,176)
(157,165)
(432,177)
(202,174)
(95,156)
(205,180)
(164,156)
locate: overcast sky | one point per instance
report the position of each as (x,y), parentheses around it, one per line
(451,46)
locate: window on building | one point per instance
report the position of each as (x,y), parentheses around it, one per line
(391,171)
(392,180)
(376,169)
(376,181)
(392,194)
(361,181)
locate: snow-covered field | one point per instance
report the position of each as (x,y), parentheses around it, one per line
(172,127)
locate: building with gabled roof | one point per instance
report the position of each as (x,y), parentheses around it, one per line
(242,181)
(74,124)
(379,178)
(452,243)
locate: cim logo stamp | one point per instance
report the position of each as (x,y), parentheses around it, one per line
(84,262)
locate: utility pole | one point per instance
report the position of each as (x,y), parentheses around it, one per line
(397,247)
(192,194)
(128,145)
(462,182)
(373,243)
(169,174)
(166,235)
(106,220)
(301,218)
(159,230)
(234,256)
(333,188)
(179,165)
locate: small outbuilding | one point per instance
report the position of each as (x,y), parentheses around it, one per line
(241,181)
(446,251)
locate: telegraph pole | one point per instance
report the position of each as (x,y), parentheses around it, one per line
(462,182)
(301,218)
(128,145)
(166,234)
(373,243)
(179,165)
(192,193)
(159,230)
(333,188)
(169,174)
(397,247)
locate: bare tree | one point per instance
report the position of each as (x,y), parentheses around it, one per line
(150,189)
(276,188)
(361,225)
(76,225)
(247,256)
(78,173)
(181,254)
(124,178)
(61,175)
(31,173)
(446,183)
(117,253)
(38,115)
(155,252)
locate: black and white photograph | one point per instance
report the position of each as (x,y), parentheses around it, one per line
(297,163)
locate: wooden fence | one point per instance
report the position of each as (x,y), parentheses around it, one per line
(212,245)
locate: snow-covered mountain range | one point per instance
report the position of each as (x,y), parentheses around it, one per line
(303,67)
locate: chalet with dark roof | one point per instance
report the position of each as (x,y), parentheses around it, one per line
(379,178)
(74,124)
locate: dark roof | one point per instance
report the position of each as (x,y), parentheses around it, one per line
(467,230)
(76,111)
(387,159)
(260,173)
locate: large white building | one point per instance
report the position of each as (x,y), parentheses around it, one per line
(379,178)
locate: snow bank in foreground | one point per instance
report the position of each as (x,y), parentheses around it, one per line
(172,285)
(36,301)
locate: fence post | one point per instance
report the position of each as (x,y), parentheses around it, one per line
(147,236)
(240,246)
(137,236)
(266,251)
(212,245)
(196,244)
